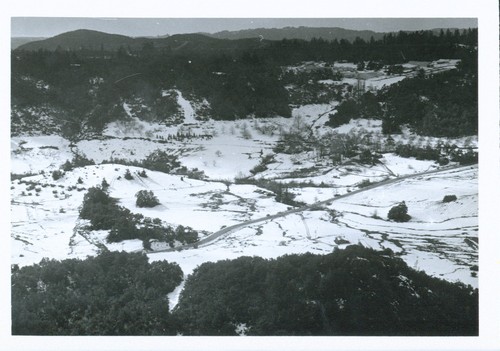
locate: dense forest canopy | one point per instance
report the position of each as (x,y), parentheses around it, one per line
(115,293)
(86,88)
(355,291)
(441,105)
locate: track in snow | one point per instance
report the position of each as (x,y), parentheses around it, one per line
(231,229)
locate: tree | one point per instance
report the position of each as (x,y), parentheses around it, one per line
(161,161)
(186,234)
(99,208)
(399,213)
(57,174)
(104,184)
(123,229)
(146,198)
(347,110)
(80,160)
(128,175)
(449,198)
(67,166)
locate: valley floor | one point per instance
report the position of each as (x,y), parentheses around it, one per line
(440,238)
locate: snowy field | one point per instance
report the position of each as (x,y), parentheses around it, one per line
(440,239)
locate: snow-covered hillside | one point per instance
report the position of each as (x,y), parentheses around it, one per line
(440,239)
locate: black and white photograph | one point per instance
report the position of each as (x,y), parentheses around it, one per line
(250,177)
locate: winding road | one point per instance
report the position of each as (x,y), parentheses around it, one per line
(231,229)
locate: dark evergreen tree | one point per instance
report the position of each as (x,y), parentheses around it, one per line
(399,213)
(104,184)
(128,175)
(146,198)
(101,209)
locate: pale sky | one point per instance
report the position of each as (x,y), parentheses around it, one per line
(50,26)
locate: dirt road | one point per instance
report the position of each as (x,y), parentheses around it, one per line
(231,229)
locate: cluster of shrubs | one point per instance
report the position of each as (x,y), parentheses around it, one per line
(308,90)
(128,175)
(367,157)
(146,198)
(355,145)
(366,106)
(167,234)
(281,190)
(331,145)
(427,153)
(104,213)
(364,183)
(262,166)
(463,156)
(160,161)
(78,160)
(292,143)
(467,157)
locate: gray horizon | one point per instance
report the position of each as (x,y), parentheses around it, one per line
(140,27)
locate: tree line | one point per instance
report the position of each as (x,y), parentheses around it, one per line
(440,105)
(393,48)
(87,88)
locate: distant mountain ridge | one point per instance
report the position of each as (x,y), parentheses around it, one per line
(95,40)
(304,33)
(225,40)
